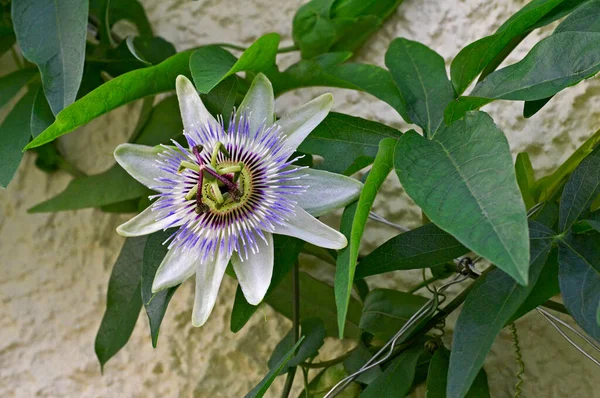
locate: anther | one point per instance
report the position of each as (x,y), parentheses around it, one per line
(219,147)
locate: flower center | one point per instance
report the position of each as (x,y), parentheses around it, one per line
(222,186)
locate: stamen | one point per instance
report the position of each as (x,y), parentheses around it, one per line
(216,192)
(187,165)
(231,187)
(190,195)
(230,169)
(219,147)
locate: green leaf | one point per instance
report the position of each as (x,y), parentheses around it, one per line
(491,303)
(385,311)
(326,70)
(15,132)
(155,303)
(457,109)
(420,74)
(580,191)
(320,385)
(210,65)
(585,226)
(353,226)
(13,82)
(557,62)
(545,288)
(579,278)
(150,50)
(584,19)
(347,143)
(314,333)
(222,98)
(164,123)
(317,300)
(41,114)
(262,387)
(397,379)
(109,12)
(525,178)
(119,91)
(286,251)
(320,26)
(112,186)
(437,378)
(62,28)
(548,186)
(422,247)
(464,181)
(360,356)
(123,300)
(474,58)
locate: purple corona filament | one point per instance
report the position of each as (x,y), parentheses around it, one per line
(257,195)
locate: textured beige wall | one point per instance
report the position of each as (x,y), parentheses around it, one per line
(55,267)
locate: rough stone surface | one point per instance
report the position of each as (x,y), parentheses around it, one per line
(55,267)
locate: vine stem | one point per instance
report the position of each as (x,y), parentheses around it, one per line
(289,380)
(518,358)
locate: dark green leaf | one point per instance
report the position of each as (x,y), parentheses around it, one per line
(163,124)
(465,183)
(474,58)
(385,311)
(326,70)
(41,114)
(359,356)
(112,186)
(491,303)
(286,251)
(314,333)
(422,247)
(62,28)
(48,158)
(155,303)
(358,215)
(397,379)
(584,19)
(150,50)
(222,98)
(126,206)
(420,74)
(437,378)
(320,385)
(585,226)
(457,109)
(530,108)
(545,288)
(15,132)
(123,300)
(262,387)
(119,91)
(109,12)
(525,178)
(347,143)
(210,65)
(557,62)
(580,191)
(11,84)
(316,301)
(579,278)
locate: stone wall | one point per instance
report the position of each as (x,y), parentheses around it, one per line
(55,267)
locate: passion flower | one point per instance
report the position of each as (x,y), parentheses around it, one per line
(230,190)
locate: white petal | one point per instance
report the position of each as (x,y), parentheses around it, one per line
(145,223)
(309,229)
(259,103)
(140,162)
(208,280)
(176,267)
(254,273)
(299,123)
(193,112)
(326,191)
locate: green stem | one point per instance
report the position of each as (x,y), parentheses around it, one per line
(423,284)
(288,49)
(16,57)
(326,364)
(289,381)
